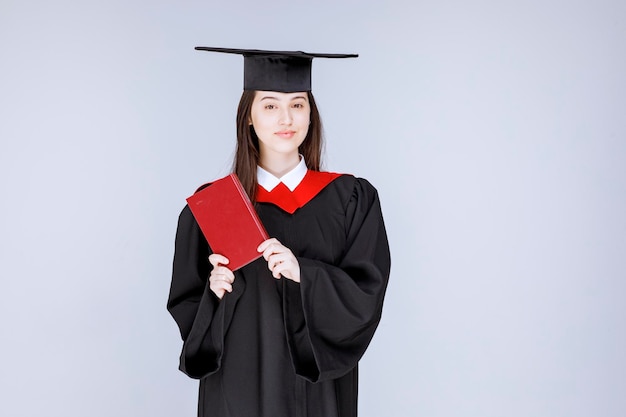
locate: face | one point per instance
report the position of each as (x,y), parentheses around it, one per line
(281,121)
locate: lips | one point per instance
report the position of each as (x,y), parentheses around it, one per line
(286,134)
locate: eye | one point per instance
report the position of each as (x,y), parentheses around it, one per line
(298,105)
(270,106)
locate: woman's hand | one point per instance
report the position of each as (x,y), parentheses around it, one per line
(221,278)
(280,260)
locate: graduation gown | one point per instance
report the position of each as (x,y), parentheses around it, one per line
(274,347)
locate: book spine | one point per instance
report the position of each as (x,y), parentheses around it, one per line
(248,205)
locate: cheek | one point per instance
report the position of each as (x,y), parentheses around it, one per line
(260,123)
(304,119)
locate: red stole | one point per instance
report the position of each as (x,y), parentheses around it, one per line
(290,201)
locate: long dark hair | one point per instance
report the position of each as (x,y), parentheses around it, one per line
(247,153)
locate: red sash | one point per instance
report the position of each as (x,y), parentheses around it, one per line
(290,201)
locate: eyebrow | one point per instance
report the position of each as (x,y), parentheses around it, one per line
(276,98)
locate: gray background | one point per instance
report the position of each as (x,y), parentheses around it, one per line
(495,132)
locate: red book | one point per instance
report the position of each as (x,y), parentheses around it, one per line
(228,221)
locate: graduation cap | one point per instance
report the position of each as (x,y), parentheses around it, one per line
(284,71)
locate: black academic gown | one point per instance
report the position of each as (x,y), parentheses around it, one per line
(276,348)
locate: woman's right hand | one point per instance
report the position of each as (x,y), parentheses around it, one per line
(221,278)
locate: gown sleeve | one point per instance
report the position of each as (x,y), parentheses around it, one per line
(200,315)
(331,316)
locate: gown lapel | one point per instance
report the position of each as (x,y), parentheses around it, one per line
(290,201)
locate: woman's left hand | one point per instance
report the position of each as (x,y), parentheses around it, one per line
(280,260)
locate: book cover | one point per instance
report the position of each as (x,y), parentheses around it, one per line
(228,221)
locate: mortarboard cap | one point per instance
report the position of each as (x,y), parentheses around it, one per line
(284,71)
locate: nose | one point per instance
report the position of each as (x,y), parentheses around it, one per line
(285,117)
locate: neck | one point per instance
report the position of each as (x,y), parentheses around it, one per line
(279,165)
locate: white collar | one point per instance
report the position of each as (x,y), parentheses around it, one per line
(291,179)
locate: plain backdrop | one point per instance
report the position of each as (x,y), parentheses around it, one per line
(495,132)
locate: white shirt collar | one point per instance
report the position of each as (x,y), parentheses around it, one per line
(291,179)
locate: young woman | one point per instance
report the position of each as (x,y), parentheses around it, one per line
(282,336)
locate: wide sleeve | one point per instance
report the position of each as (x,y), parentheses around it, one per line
(200,315)
(331,316)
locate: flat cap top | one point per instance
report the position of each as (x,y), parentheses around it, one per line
(261,52)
